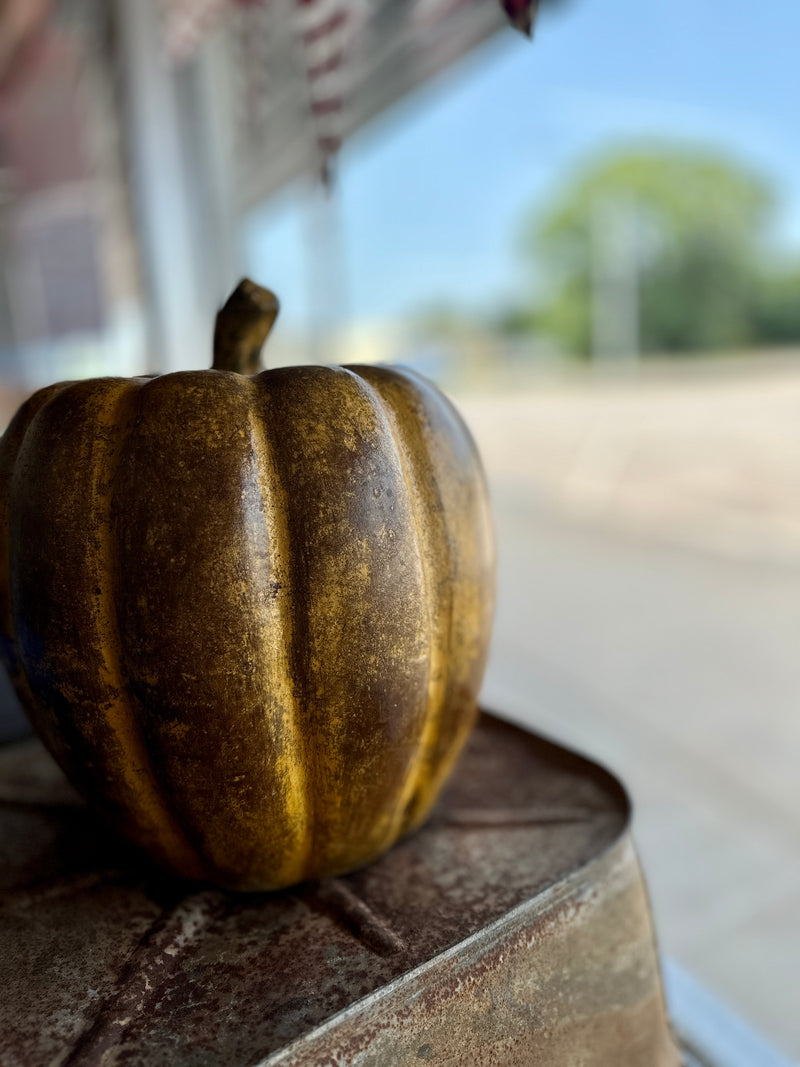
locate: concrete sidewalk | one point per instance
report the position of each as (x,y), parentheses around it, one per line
(649,615)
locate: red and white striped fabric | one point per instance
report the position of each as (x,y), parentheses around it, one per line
(325,31)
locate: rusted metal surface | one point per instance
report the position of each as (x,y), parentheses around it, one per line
(512,929)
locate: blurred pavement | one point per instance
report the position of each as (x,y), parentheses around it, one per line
(649,615)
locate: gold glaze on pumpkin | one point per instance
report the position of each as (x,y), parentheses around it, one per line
(249,615)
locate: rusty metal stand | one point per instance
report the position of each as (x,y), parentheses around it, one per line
(513,929)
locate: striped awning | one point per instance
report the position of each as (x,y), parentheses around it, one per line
(310,72)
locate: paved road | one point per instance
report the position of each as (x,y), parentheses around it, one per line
(669,650)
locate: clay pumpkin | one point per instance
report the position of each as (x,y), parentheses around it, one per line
(248,612)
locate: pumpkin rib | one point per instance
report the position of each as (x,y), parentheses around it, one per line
(471,550)
(406,465)
(197,597)
(123,716)
(361,644)
(275,457)
(10,446)
(445,462)
(432,540)
(293,765)
(61,537)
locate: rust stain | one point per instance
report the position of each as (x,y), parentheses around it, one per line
(141,981)
(521,942)
(355,914)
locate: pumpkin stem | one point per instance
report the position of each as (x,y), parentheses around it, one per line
(242,326)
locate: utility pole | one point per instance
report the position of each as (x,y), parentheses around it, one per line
(614,280)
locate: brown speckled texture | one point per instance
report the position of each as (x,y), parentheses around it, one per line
(512,929)
(249,615)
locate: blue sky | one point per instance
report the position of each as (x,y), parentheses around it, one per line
(431,196)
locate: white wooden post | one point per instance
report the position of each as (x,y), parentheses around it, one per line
(175,256)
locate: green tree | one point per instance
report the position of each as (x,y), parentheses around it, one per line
(694,229)
(777,307)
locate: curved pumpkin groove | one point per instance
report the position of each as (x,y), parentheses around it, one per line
(471,540)
(444,462)
(292,765)
(428,546)
(471,545)
(111,734)
(426,508)
(121,714)
(205,648)
(12,442)
(361,642)
(292,634)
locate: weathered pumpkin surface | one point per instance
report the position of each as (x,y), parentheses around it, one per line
(249,615)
